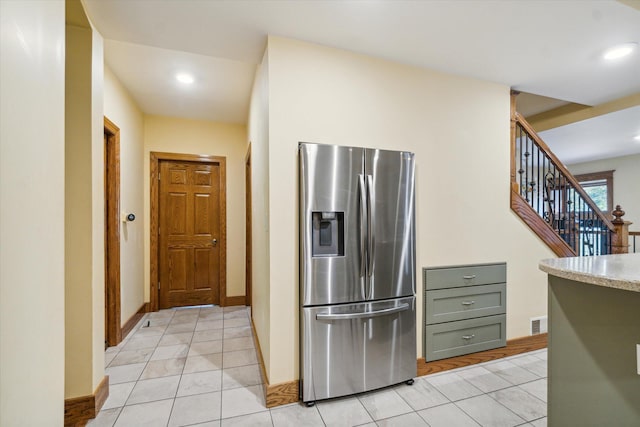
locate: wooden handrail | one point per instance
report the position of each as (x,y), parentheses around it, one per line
(517,118)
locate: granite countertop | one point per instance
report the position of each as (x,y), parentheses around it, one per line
(612,271)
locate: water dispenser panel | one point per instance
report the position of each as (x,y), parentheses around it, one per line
(327,233)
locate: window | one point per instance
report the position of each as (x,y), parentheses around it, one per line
(599,186)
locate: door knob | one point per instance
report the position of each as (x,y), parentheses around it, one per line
(214,242)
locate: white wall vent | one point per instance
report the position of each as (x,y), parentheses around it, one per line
(538,325)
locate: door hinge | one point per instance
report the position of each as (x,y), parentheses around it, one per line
(158,177)
(158,285)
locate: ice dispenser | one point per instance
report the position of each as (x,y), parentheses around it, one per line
(328,233)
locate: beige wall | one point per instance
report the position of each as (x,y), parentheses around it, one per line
(175,135)
(259,138)
(97,212)
(32,213)
(78,217)
(84,212)
(459,130)
(122,110)
(626,183)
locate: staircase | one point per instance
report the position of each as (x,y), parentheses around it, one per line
(549,199)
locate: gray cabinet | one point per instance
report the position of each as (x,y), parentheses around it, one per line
(465,309)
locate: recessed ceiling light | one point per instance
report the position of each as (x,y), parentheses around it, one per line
(637,137)
(185,78)
(620,51)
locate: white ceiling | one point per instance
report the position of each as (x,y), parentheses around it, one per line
(546,47)
(221,90)
(586,140)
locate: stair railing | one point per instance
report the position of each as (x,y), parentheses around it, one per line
(635,245)
(550,200)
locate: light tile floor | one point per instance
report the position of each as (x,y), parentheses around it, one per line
(197,366)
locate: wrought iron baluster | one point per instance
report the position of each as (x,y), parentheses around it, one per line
(571,219)
(556,196)
(527,154)
(538,181)
(547,195)
(576,213)
(521,170)
(582,227)
(589,227)
(582,218)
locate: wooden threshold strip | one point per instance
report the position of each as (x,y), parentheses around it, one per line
(514,346)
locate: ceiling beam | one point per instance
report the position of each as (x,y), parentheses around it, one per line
(631,3)
(572,113)
(74,14)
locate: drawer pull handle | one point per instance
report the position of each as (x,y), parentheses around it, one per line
(468,302)
(468,337)
(473,276)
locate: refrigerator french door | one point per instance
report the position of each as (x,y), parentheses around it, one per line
(357,270)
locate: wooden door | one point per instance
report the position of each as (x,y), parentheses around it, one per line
(189,233)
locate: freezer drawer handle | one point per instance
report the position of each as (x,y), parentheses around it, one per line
(468,302)
(349,316)
(473,276)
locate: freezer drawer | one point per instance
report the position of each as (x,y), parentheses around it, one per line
(352,348)
(464,336)
(470,275)
(447,305)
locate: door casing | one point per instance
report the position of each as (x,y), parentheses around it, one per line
(248,250)
(155,159)
(113,329)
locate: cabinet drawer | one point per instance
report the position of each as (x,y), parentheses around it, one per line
(453,277)
(447,305)
(464,336)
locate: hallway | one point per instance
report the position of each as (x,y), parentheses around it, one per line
(198,366)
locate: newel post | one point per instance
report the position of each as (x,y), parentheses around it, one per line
(620,238)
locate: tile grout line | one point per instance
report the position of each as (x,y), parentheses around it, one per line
(495,400)
(186,357)
(222,369)
(127,338)
(147,363)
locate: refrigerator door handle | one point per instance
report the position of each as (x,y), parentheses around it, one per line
(371,215)
(361,315)
(363,226)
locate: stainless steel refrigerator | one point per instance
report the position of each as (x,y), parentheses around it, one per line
(357,270)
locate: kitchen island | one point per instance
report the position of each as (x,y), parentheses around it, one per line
(594,331)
